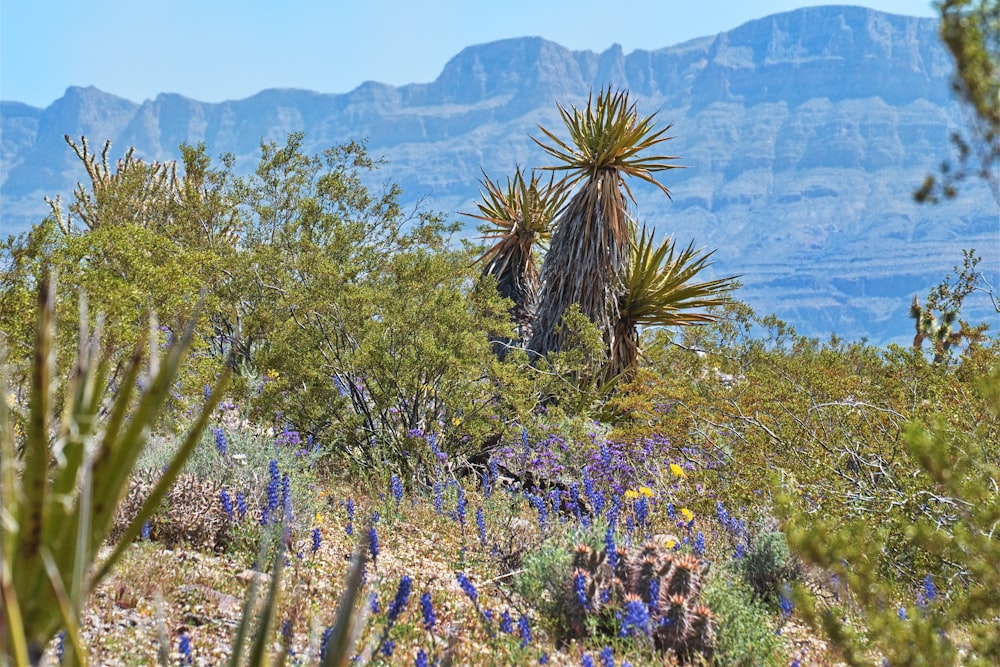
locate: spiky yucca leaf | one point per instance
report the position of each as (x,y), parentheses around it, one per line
(518,217)
(608,135)
(661,289)
(589,251)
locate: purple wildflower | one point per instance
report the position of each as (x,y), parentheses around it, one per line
(467,587)
(373,544)
(227,503)
(387,648)
(580,588)
(241,504)
(184,648)
(427,609)
(481,525)
(607,657)
(402,598)
(524,630)
(587,661)
(349,528)
(506,623)
(317,539)
(421,660)
(396,486)
(642,511)
(220,440)
(785,603)
(699,544)
(609,544)
(635,618)
(438,498)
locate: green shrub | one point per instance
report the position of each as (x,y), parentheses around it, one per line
(767,565)
(946,611)
(745,634)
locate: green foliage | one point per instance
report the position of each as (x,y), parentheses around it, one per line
(970,29)
(60,496)
(767,565)
(761,403)
(363,319)
(955,526)
(745,635)
(541,581)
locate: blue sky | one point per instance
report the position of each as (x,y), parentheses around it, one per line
(214,50)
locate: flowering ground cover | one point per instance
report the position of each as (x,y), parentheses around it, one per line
(472,569)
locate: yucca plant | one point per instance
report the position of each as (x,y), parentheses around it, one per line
(661,289)
(61,494)
(589,252)
(517,216)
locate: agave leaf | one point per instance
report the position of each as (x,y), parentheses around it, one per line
(246,620)
(265,624)
(661,288)
(74,653)
(13,622)
(608,134)
(519,215)
(34,505)
(347,622)
(660,285)
(167,479)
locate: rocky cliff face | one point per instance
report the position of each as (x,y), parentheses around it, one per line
(804,134)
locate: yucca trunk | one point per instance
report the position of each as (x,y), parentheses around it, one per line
(587,257)
(624,360)
(517,280)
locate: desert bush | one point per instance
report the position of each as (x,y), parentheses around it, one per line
(759,402)
(954,618)
(768,565)
(364,317)
(745,634)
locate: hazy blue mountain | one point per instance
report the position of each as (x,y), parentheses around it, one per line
(804,135)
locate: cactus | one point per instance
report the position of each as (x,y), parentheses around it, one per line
(601,599)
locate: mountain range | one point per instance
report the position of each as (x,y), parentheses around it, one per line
(804,135)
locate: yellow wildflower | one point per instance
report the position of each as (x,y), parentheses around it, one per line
(646,491)
(677,470)
(671,544)
(687,514)
(456,421)
(319,518)
(631,495)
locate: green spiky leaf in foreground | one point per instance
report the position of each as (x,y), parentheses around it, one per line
(59,498)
